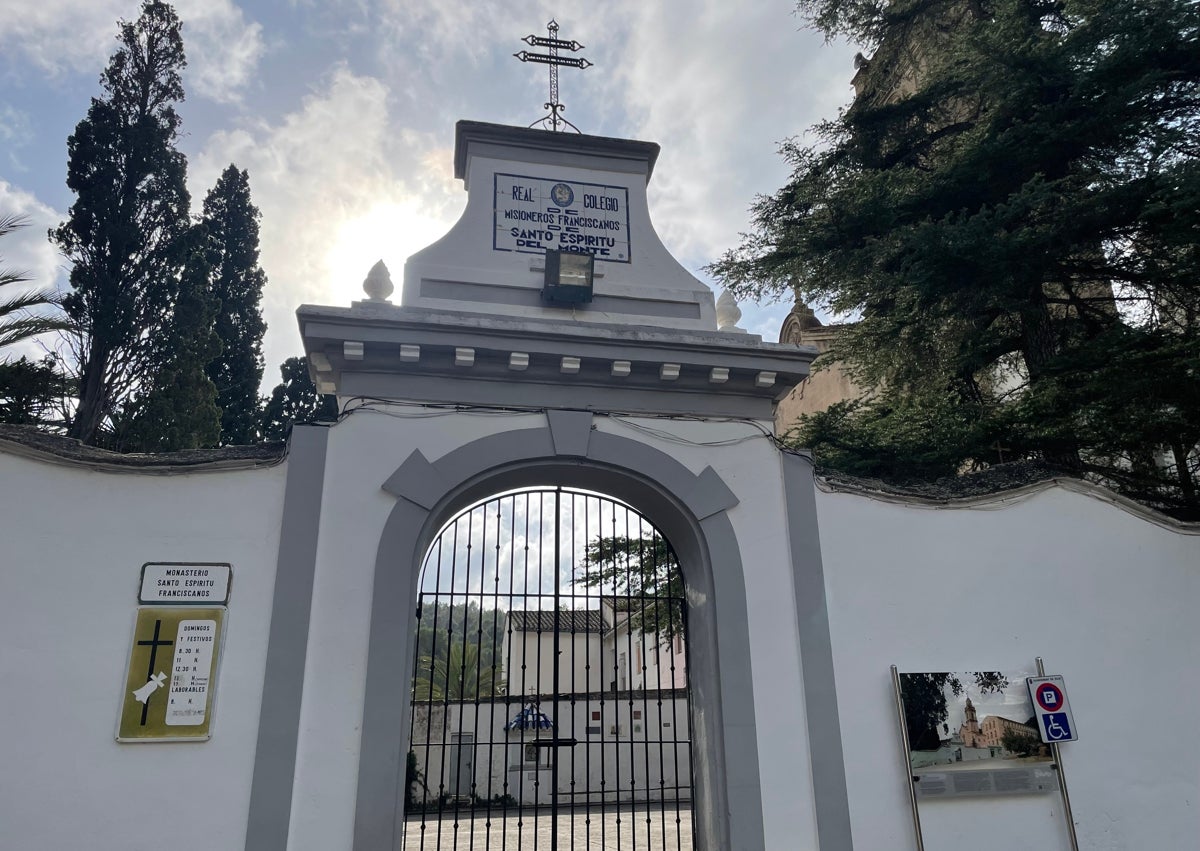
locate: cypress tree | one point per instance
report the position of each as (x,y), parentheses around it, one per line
(178,406)
(124,232)
(231,221)
(295,400)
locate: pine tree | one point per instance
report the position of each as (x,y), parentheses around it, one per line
(178,406)
(1010,212)
(295,400)
(124,234)
(231,221)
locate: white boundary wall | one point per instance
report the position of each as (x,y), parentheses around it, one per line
(72,543)
(1107,598)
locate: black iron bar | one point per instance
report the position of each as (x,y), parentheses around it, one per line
(616,687)
(570,567)
(643,653)
(412,724)
(441,799)
(478,691)
(455,753)
(561,44)
(687,718)
(603,686)
(632,685)
(524,664)
(508,631)
(495,675)
(587,662)
(556,661)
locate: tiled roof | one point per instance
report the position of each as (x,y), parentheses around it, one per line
(569,620)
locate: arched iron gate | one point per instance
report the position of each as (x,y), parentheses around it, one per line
(550,696)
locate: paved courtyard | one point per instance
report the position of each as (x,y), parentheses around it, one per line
(637,827)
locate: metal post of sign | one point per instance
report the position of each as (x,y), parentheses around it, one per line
(908,775)
(1062,777)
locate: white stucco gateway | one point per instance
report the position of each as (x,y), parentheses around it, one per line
(799,595)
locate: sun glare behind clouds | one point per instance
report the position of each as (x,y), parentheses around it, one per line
(391,231)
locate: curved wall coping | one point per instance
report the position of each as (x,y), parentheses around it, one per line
(1003,498)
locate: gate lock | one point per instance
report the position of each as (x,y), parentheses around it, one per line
(554,743)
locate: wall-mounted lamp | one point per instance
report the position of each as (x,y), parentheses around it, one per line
(569,277)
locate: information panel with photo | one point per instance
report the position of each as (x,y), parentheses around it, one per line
(973,733)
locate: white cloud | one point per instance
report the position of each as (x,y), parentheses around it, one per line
(340,186)
(78,36)
(720,85)
(28,250)
(16,132)
(58,36)
(223,48)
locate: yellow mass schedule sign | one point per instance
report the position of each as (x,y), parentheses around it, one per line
(171,676)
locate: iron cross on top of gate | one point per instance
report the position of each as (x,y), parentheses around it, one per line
(553,119)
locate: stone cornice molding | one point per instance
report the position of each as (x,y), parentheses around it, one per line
(427,355)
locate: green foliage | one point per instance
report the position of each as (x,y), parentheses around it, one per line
(32,392)
(642,576)
(178,409)
(925,708)
(1013,236)
(412,779)
(23,314)
(1021,744)
(123,235)
(897,437)
(295,400)
(231,222)
(459,674)
(459,652)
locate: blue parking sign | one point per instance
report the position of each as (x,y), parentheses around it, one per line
(1053,711)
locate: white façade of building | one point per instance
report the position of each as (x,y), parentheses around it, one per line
(601,649)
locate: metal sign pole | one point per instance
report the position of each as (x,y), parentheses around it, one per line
(907,753)
(1062,776)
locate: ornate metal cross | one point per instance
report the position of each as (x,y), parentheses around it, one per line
(553,119)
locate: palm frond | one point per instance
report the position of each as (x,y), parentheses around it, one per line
(21,317)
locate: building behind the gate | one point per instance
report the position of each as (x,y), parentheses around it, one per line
(801,591)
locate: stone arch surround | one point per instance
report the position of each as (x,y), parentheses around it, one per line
(691,511)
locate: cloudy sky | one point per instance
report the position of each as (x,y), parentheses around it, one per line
(343,113)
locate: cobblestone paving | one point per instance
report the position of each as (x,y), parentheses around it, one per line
(639,827)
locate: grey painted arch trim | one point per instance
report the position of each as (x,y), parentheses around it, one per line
(287,643)
(689,509)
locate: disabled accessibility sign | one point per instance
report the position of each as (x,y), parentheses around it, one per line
(1051,709)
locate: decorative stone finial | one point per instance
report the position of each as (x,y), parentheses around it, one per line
(378,283)
(728,313)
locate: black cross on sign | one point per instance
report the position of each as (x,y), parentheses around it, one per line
(153,644)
